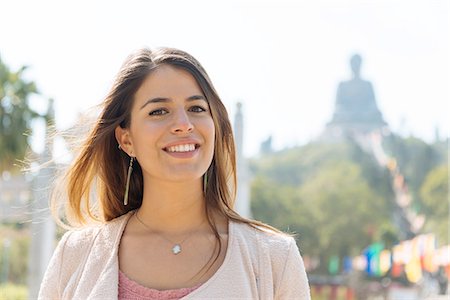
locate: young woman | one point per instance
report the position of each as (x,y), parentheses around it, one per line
(161,162)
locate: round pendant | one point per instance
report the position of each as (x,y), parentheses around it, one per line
(176,249)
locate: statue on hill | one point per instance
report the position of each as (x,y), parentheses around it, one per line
(355,107)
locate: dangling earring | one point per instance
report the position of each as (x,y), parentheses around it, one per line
(205,182)
(127,186)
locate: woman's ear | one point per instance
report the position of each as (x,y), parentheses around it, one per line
(124,140)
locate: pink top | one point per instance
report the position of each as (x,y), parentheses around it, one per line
(131,290)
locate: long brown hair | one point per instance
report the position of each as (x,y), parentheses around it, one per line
(100,168)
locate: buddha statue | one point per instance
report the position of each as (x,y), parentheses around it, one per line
(355,105)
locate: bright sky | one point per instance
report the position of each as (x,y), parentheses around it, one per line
(282,59)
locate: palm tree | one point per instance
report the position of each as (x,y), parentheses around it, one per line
(15,116)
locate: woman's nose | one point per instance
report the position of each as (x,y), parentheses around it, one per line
(182,123)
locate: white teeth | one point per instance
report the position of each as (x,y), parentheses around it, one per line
(181,148)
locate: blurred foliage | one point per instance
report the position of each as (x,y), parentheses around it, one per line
(425,168)
(334,196)
(434,195)
(325,293)
(9,291)
(416,159)
(17,260)
(15,115)
(338,199)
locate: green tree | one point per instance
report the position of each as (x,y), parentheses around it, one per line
(344,209)
(415,159)
(434,194)
(15,115)
(334,196)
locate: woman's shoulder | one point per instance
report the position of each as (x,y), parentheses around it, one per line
(77,238)
(269,240)
(276,258)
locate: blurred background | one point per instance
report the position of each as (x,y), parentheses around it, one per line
(340,112)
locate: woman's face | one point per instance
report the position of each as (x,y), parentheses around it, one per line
(171,133)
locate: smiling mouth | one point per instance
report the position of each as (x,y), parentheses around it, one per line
(182,148)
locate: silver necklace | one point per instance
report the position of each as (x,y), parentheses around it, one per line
(176,248)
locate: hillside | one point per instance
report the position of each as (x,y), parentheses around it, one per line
(337,198)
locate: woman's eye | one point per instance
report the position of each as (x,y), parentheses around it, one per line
(197,109)
(158,112)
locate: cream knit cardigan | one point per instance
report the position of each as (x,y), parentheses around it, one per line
(257,265)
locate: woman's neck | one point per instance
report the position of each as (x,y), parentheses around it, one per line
(173,207)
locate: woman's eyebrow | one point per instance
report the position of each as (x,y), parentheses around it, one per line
(196,97)
(155,100)
(164,100)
